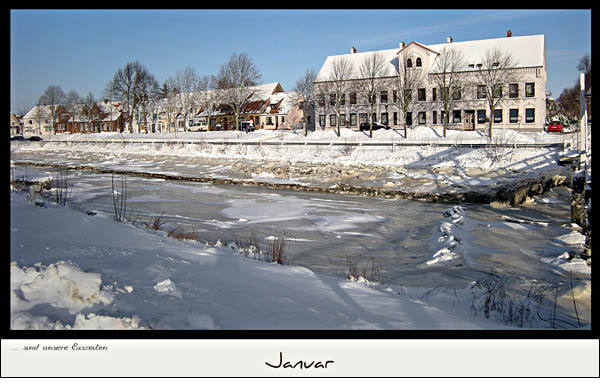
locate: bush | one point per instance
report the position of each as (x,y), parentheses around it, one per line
(180,234)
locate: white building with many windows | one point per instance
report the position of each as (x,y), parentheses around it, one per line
(522,107)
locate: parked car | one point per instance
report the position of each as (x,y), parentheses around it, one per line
(247,126)
(35,138)
(555,126)
(366,126)
(17,138)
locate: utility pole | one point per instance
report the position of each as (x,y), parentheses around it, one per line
(583,134)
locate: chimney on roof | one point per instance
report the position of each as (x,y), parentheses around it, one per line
(352,50)
(402,44)
(509,34)
(449,39)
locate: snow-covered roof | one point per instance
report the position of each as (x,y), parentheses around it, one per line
(528,51)
(44,110)
(286,101)
(263,91)
(356,59)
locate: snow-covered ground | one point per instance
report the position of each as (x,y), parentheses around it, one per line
(71,270)
(422,156)
(76,271)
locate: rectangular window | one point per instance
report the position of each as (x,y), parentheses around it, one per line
(513,91)
(498,91)
(497,116)
(362,118)
(343,99)
(332,99)
(383,97)
(445,93)
(395,96)
(434,92)
(480,116)
(353,98)
(384,118)
(332,120)
(513,115)
(529,89)
(456,117)
(322,120)
(374,115)
(409,118)
(456,93)
(481,92)
(395,116)
(421,94)
(421,117)
(321,100)
(529,115)
(269,120)
(434,117)
(342,119)
(408,95)
(353,120)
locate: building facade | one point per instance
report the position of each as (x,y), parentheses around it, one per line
(522,107)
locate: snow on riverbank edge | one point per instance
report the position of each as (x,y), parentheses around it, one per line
(73,271)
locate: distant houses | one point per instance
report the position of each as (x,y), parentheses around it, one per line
(267,107)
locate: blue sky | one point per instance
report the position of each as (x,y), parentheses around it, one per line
(82,49)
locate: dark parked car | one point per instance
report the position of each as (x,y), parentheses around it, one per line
(555,126)
(366,126)
(34,138)
(17,138)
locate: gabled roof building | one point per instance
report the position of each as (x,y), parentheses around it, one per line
(523,106)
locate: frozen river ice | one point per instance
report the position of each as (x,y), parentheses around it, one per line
(326,231)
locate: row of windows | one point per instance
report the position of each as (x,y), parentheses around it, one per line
(457,117)
(513,93)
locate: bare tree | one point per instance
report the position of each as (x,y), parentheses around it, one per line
(41,114)
(496,71)
(372,72)
(186,83)
(126,84)
(306,98)
(403,83)
(207,96)
(168,101)
(147,93)
(337,85)
(73,102)
(90,111)
(53,97)
(235,78)
(445,75)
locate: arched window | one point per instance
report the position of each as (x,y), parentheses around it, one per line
(409,63)
(419,64)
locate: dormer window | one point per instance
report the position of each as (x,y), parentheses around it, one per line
(419,63)
(409,63)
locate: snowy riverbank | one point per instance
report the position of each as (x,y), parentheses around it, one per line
(386,165)
(70,270)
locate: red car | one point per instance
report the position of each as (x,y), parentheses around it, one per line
(555,126)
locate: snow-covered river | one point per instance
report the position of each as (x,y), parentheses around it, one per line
(399,238)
